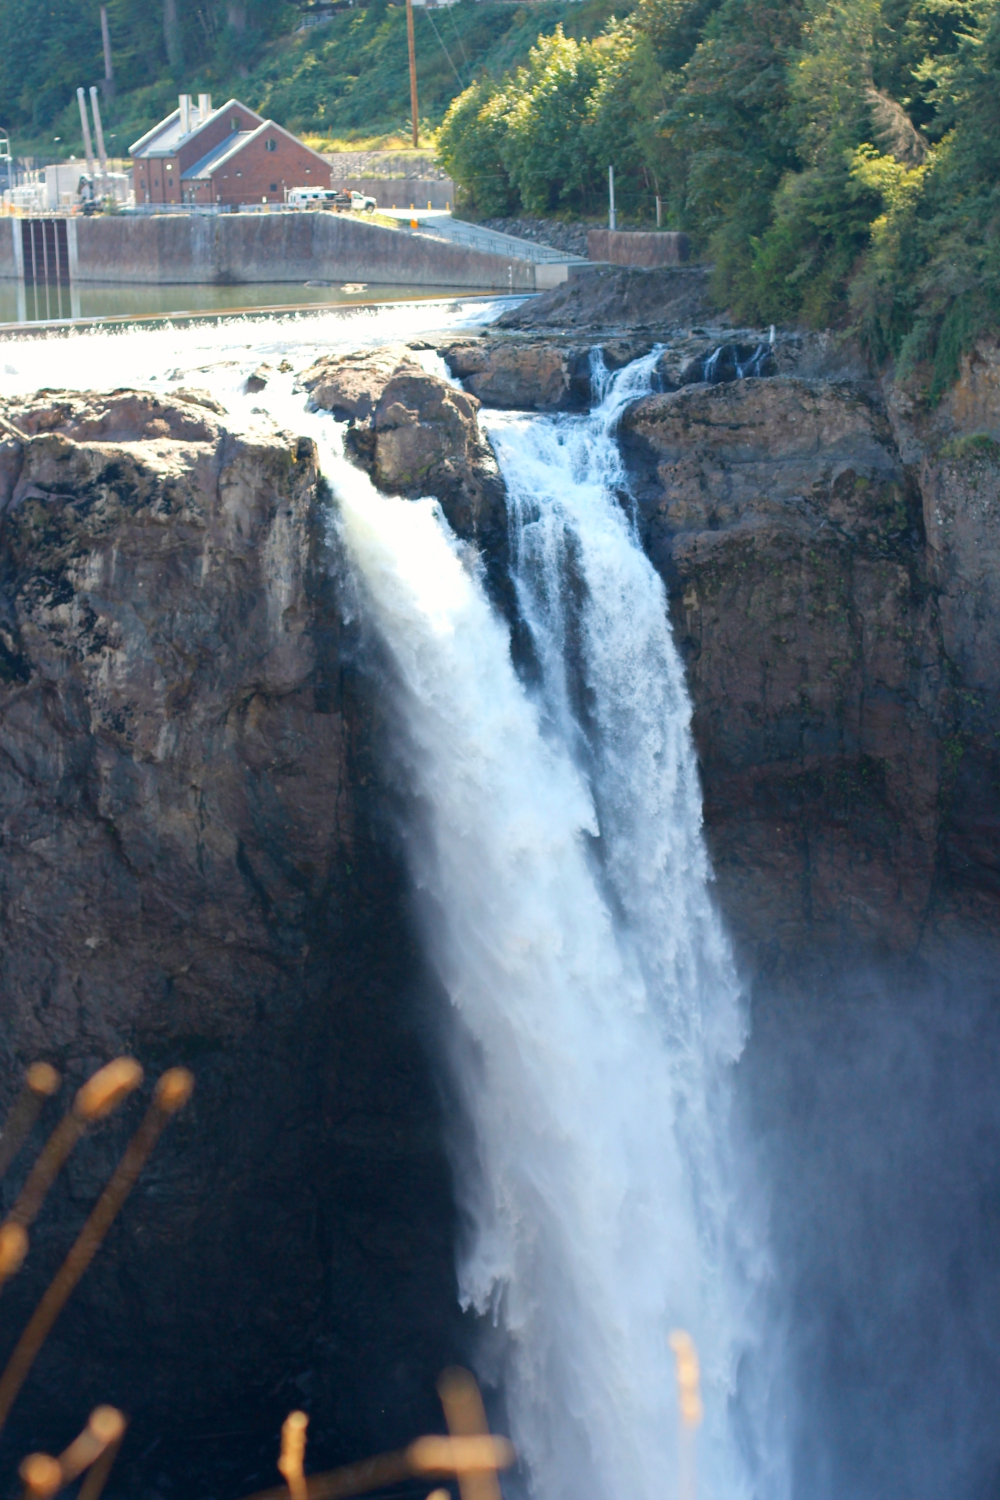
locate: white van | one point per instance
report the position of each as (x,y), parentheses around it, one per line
(315,197)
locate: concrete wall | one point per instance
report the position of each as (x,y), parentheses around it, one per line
(8,229)
(635,247)
(232,248)
(400,192)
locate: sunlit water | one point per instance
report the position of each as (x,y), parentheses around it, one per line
(50,302)
(557,842)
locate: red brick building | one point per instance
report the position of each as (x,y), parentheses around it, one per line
(230,155)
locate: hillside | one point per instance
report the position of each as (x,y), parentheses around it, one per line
(836,160)
(344,78)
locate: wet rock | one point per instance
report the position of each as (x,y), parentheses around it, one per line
(256,380)
(554,374)
(416,434)
(349,385)
(520,375)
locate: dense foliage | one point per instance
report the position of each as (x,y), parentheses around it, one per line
(837,160)
(345,77)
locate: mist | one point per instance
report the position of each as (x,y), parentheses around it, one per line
(873,1100)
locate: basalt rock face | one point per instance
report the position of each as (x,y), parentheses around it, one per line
(197,869)
(954,451)
(834,627)
(416,434)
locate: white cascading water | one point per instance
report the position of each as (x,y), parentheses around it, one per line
(575,935)
(563,859)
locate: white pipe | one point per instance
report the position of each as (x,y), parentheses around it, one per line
(185,103)
(88,149)
(204,107)
(612,223)
(102,155)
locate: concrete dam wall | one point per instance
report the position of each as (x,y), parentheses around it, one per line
(229,249)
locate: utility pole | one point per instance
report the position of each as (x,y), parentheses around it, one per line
(109,72)
(413,72)
(612,221)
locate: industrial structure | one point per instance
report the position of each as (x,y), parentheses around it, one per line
(229,156)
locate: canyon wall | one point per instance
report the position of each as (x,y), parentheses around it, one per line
(198,866)
(832,559)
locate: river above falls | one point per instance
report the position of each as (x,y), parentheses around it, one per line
(51,303)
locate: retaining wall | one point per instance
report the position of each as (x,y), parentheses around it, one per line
(228,249)
(8,266)
(638,247)
(401,192)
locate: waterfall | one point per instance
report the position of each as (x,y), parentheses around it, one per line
(557,842)
(560,851)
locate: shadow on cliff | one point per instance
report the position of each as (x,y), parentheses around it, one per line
(874,1098)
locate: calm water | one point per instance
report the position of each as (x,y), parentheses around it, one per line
(45,303)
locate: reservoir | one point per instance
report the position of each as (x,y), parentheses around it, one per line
(50,302)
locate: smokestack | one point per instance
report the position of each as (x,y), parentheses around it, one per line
(102,155)
(204,106)
(185,103)
(88,149)
(109,72)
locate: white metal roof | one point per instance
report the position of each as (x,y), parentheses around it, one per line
(165,138)
(219,154)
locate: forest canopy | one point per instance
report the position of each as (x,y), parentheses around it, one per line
(835,160)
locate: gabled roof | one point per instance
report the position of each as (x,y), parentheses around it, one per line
(235,143)
(167,136)
(227,148)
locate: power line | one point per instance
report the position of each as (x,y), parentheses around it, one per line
(444,49)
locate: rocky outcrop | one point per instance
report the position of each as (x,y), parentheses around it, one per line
(522,374)
(528,374)
(554,372)
(619,298)
(196,869)
(417,434)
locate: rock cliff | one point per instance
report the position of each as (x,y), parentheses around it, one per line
(831,555)
(196,868)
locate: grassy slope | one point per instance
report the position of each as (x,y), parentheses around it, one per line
(350,78)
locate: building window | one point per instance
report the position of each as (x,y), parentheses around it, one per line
(270,144)
(273,188)
(239,174)
(234,123)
